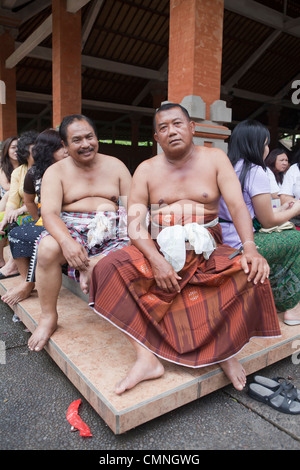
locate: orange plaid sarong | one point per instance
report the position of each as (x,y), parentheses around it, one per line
(214,316)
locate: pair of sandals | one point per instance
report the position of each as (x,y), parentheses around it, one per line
(278,393)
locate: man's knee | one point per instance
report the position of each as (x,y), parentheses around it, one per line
(49,252)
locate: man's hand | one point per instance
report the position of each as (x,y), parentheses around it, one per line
(255,265)
(75,255)
(165,276)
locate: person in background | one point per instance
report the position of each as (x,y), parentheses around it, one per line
(277,164)
(290,189)
(9,161)
(15,210)
(248,148)
(47,150)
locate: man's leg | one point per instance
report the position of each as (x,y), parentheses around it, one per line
(146,367)
(48,281)
(23,289)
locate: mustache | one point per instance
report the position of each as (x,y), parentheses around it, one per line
(90,149)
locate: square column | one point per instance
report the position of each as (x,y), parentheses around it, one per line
(8,101)
(66,61)
(195,62)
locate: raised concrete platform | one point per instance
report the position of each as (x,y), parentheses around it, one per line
(94,355)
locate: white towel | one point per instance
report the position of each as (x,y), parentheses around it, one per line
(172,243)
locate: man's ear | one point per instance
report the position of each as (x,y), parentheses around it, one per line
(192,126)
(156,137)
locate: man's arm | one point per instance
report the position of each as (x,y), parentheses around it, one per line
(51,205)
(125,180)
(164,274)
(231,191)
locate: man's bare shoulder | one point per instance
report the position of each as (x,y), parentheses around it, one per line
(213,155)
(149,165)
(213,152)
(58,168)
(112,162)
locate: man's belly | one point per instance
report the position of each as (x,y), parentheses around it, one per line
(184,208)
(90,204)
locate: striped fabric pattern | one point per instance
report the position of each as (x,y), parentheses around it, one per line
(214,316)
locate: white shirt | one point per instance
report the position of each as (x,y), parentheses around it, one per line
(291,182)
(273,183)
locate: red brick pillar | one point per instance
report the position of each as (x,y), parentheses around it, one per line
(66,57)
(8,102)
(195,61)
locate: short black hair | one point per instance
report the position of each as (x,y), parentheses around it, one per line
(166,107)
(68,120)
(25,140)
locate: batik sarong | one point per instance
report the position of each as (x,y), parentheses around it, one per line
(282,251)
(214,316)
(98,232)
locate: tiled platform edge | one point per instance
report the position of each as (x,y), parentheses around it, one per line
(94,355)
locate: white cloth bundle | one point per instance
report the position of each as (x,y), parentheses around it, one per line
(172,242)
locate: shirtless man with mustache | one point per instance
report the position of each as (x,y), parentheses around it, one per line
(75,192)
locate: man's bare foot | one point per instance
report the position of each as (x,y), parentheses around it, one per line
(18,293)
(85,276)
(292,316)
(84,280)
(235,372)
(141,370)
(41,335)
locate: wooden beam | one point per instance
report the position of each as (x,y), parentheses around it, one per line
(91,18)
(74,5)
(121,68)
(33,9)
(32,97)
(262,14)
(30,43)
(45,53)
(252,59)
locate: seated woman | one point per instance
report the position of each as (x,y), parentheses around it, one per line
(248,147)
(290,189)
(277,163)
(9,162)
(47,150)
(15,210)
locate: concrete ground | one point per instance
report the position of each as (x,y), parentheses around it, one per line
(35,396)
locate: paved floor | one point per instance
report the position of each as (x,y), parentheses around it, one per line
(35,395)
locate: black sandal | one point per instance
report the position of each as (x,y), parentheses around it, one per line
(278,400)
(273,384)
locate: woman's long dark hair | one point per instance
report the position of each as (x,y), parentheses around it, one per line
(270,162)
(48,142)
(247,142)
(6,165)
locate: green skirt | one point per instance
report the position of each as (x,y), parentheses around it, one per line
(282,251)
